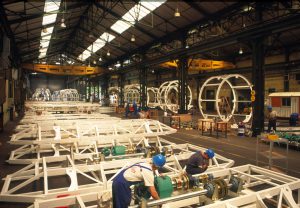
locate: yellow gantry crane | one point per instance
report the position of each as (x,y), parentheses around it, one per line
(194,65)
(63,70)
(201,64)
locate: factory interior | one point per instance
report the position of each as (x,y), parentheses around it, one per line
(149,103)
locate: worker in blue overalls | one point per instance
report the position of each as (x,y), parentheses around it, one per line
(199,161)
(134,174)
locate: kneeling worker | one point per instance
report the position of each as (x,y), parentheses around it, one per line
(134,174)
(198,162)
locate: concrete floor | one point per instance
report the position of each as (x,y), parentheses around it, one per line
(241,149)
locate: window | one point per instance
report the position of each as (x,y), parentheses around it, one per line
(286,101)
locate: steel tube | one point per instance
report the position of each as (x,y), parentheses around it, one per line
(173,198)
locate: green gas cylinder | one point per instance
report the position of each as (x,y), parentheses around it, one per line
(163,186)
(105,151)
(118,150)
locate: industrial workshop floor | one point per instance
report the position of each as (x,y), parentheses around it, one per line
(241,149)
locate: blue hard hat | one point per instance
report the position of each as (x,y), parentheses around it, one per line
(269,107)
(210,153)
(159,160)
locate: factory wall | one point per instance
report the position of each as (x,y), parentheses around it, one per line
(51,82)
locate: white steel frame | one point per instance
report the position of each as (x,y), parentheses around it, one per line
(96,173)
(163,96)
(152,97)
(217,82)
(132,93)
(68,106)
(275,187)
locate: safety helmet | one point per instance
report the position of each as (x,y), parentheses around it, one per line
(269,107)
(159,160)
(210,153)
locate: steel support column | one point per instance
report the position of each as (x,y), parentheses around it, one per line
(104,87)
(286,82)
(258,78)
(182,87)
(121,80)
(143,86)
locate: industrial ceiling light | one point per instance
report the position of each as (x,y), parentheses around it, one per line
(241,50)
(63,24)
(94,62)
(100,59)
(177,13)
(132,38)
(108,53)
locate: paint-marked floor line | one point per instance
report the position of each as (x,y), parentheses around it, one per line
(236,155)
(212,140)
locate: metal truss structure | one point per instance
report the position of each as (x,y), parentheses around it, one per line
(41,94)
(242,186)
(79,138)
(152,97)
(67,107)
(65,95)
(113,96)
(88,176)
(132,93)
(48,118)
(168,96)
(226,109)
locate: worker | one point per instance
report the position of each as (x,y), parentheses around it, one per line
(127,109)
(134,174)
(272,116)
(198,162)
(294,117)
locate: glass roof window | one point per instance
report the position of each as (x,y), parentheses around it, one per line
(120,26)
(96,45)
(135,14)
(48,19)
(52,7)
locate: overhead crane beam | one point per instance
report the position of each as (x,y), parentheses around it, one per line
(200,64)
(64,70)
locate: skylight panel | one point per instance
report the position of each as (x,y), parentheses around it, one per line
(120,26)
(48,19)
(98,46)
(45,44)
(51,6)
(107,37)
(152,5)
(135,14)
(47,37)
(42,55)
(43,50)
(47,31)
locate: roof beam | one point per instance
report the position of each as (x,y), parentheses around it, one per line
(38,15)
(152,36)
(36,38)
(265,28)
(165,20)
(176,34)
(73,33)
(7,29)
(197,8)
